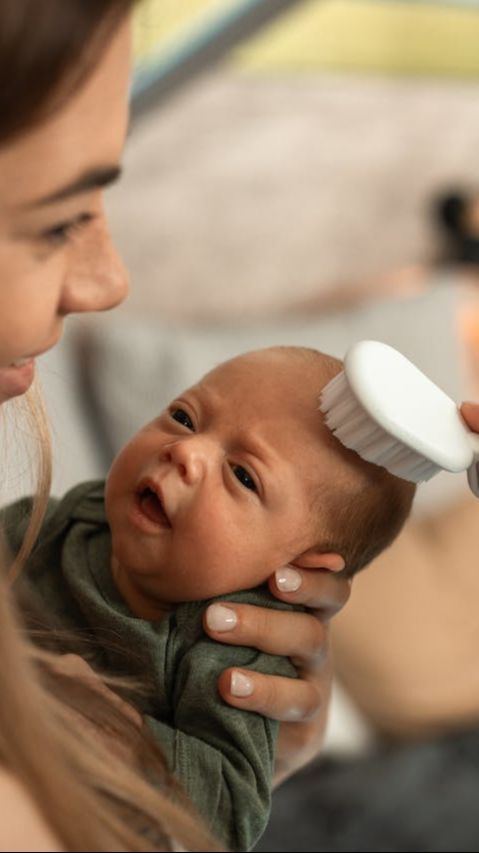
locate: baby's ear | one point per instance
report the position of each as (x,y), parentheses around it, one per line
(314,558)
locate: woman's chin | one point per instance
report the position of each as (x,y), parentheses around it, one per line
(15,380)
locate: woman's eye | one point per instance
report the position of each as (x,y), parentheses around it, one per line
(245,479)
(61,233)
(181,416)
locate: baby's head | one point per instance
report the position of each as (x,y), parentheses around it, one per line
(238,477)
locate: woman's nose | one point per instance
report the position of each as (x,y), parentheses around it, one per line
(96,278)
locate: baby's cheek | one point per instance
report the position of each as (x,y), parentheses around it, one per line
(124,474)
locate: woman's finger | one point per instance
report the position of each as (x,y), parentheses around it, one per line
(284,699)
(470,413)
(300,636)
(300,705)
(320,590)
(299,743)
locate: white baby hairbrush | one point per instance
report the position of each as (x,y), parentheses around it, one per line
(383,407)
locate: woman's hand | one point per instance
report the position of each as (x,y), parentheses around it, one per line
(300,704)
(470,413)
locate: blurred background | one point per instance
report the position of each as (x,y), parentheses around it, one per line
(306,172)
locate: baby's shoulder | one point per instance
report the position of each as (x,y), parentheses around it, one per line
(83,503)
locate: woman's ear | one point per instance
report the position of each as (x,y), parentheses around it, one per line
(314,558)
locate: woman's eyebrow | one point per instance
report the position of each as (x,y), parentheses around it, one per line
(92,179)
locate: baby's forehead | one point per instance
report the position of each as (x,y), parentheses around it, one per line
(299,370)
(277,398)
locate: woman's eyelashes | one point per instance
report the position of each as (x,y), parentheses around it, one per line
(178,414)
(59,235)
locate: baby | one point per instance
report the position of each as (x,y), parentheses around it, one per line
(236,478)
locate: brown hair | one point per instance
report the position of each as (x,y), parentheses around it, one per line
(366,507)
(98,780)
(32,409)
(366,514)
(46,53)
(362,512)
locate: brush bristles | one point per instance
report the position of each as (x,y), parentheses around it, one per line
(354,428)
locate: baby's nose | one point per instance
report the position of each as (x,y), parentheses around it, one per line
(191,456)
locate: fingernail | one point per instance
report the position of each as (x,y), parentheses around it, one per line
(241,685)
(287,580)
(293,715)
(220,618)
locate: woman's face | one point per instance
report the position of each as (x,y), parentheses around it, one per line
(56,255)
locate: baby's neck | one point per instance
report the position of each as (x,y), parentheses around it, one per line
(141,603)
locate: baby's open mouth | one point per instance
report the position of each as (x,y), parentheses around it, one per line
(151,506)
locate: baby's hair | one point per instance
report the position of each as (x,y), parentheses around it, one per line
(364,510)
(367,515)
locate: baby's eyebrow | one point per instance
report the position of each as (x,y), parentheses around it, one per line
(209,402)
(255,447)
(204,397)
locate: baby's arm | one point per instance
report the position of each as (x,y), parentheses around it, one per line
(223,756)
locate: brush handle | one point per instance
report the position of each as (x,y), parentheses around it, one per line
(473,470)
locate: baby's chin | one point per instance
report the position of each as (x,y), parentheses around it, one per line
(142,600)
(153,596)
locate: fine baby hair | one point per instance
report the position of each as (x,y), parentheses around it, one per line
(383,407)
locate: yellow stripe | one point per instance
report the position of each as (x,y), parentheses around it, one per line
(378,36)
(391,37)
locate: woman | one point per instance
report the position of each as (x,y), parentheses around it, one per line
(67,70)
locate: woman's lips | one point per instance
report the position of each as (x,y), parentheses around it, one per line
(16,379)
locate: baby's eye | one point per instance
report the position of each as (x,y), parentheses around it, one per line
(183,418)
(245,479)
